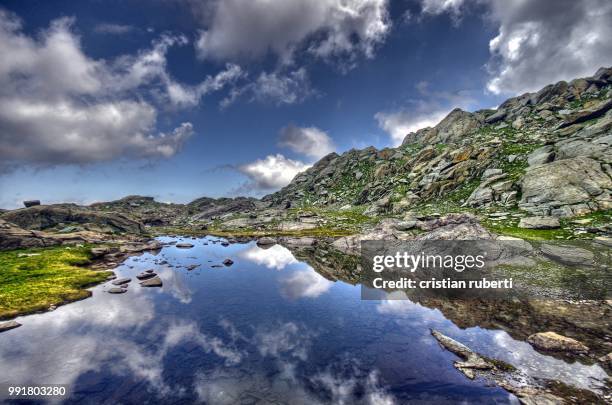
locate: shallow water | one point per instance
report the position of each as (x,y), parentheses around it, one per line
(268,329)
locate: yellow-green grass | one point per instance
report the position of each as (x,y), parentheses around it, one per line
(31,280)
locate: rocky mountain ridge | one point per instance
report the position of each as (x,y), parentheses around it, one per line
(548,153)
(539,161)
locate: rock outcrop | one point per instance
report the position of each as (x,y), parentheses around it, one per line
(48,216)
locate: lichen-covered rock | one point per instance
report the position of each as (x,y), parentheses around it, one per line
(578,184)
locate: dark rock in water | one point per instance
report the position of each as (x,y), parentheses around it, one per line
(150,270)
(266,241)
(4,326)
(193,267)
(228,262)
(31,203)
(184,245)
(152,282)
(471,359)
(121,281)
(145,275)
(551,341)
(117,290)
(225,244)
(216,266)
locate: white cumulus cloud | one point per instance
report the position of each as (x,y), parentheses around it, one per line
(60,106)
(540,42)
(238,29)
(271,172)
(308,141)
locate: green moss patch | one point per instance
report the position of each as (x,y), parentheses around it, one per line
(34,279)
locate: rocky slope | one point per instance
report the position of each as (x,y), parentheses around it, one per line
(546,153)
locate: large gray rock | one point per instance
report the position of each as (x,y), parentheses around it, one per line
(31,203)
(455,126)
(542,155)
(539,222)
(569,255)
(588,113)
(576,184)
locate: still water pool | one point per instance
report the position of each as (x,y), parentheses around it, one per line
(267,329)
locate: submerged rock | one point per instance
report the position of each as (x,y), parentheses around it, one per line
(551,341)
(121,281)
(152,282)
(228,262)
(5,326)
(184,245)
(117,290)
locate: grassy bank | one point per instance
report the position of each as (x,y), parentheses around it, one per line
(34,279)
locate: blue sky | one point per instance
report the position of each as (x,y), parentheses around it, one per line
(179,99)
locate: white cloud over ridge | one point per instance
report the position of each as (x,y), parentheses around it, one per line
(271,172)
(308,141)
(238,29)
(426,111)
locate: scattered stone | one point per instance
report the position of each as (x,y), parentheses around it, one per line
(121,281)
(5,326)
(551,341)
(28,254)
(152,282)
(539,222)
(192,267)
(184,245)
(228,262)
(100,251)
(145,275)
(606,360)
(491,172)
(225,244)
(117,290)
(31,203)
(405,225)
